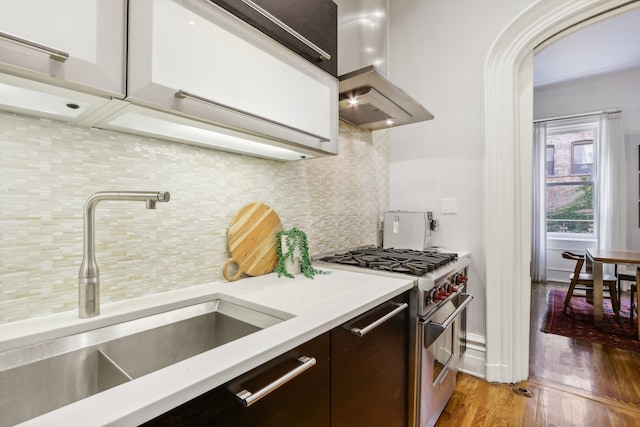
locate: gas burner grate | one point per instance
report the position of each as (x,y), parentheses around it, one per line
(406,261)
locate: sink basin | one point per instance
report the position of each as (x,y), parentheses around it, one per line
(42,377)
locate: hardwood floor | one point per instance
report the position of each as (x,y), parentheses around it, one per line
(573,383)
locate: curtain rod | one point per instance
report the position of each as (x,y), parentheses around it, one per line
(576,116)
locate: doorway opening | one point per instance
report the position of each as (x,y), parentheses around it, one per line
(508,175)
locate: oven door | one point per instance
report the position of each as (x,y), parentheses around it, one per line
(440,333)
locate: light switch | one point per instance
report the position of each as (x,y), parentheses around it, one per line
(448,206)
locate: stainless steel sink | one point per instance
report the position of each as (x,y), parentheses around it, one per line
(42,377)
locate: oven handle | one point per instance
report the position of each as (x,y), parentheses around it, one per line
(434,330)
(360,332)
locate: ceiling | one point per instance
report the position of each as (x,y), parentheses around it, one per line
(606,46)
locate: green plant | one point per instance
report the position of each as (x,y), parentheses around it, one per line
(295,239)
(577,212)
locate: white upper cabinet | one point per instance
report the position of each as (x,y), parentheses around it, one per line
(182,70)
(77,44)
(192,58)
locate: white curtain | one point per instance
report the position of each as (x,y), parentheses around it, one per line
(612,194)
(539,215)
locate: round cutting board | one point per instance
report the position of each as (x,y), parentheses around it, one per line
(252,241)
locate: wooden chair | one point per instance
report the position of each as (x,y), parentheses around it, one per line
(584,282)
(634,289)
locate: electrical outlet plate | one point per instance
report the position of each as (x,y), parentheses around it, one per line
(448,206)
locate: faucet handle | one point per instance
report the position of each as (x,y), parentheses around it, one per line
(162,196)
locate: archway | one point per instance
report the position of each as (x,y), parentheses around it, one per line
(508,112)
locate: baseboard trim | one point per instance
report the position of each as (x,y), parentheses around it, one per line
(474,359)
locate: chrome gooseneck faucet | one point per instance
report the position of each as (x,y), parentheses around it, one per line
(89,276)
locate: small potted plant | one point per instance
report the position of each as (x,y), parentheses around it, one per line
(293,254)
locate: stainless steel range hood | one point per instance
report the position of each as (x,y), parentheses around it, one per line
(369,100)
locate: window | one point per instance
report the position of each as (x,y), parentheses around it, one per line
(582,158)
(570,207)
(570,184)
(550,151)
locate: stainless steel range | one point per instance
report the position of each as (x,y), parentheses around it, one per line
(438,327)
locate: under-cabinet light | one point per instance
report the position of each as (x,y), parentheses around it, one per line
(161,125)
(29,101)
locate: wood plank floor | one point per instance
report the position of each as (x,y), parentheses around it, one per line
(573,383)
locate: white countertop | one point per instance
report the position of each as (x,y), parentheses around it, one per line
(317,305)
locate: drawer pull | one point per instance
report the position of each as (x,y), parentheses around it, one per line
(182,94)
(248,398)
(58,55)
(324,56)
(360,332)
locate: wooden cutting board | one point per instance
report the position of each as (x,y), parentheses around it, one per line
(252,241)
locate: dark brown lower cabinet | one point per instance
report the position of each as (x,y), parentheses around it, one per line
(369,373)
(360,378)
(302,401)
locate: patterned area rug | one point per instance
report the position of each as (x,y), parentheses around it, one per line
(578,322)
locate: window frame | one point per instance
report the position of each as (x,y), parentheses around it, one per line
(553,160)
(575,144)
(568,126)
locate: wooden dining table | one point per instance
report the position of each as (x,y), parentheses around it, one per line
(596,258)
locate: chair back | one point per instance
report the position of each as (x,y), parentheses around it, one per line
(579,259)
(624,275)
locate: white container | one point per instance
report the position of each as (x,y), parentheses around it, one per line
(292,265)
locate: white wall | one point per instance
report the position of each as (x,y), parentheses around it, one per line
(618,90)
(437,51)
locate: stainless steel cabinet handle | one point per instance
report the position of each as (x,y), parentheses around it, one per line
(434,329)
(322,54)
(248,398)
(184,94)
(58,55)
(360,332)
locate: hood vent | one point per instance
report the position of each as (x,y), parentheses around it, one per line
(370,101)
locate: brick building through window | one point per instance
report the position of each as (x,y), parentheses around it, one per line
(570,182)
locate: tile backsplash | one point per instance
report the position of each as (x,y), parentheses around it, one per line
(48,169)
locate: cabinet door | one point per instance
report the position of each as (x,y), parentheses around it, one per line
(67,42)
(307,27)
(369,373)
(192,57)
(303,400)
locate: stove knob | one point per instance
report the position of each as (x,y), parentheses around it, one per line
(440,295)
(446,291)
(461,279)
(451,288)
